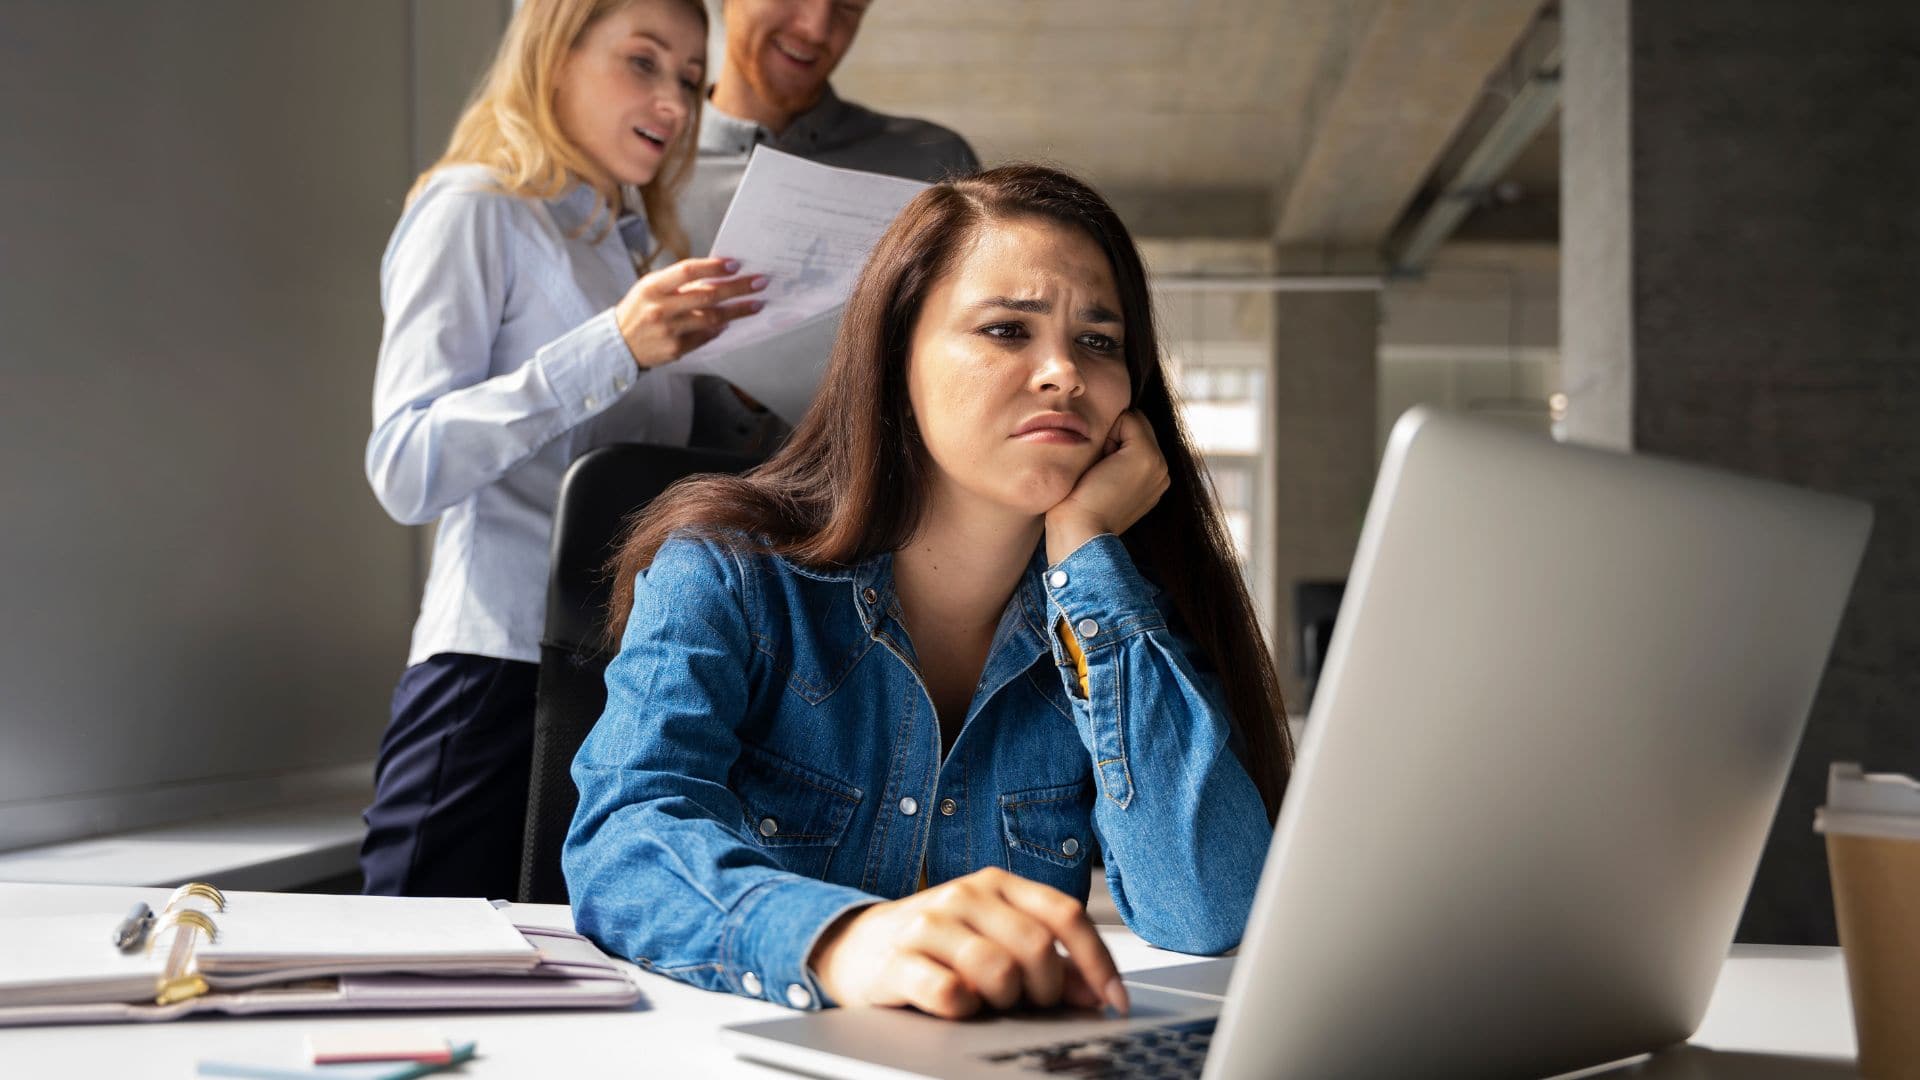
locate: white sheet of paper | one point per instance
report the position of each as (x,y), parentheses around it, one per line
(809,228)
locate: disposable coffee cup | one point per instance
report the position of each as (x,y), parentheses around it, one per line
(1872,825)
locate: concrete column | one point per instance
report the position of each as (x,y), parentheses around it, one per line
(1596,243)
(1325,390)
(1741,243)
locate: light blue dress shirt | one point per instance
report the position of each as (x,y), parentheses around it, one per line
(501,362)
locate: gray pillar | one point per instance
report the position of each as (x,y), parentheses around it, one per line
(1325,390)
(1742,238)
(1596,244)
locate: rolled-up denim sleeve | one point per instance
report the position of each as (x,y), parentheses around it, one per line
(1182,827)
(446,425)
(657,861)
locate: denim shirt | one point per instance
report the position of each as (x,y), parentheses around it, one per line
(770,759)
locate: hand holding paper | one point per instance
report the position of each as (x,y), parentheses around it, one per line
(671,312)
(809,229)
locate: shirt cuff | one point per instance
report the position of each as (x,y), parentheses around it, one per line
(588,367)
(1101,595)
(771,932)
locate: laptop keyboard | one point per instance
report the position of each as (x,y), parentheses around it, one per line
(1172,1051)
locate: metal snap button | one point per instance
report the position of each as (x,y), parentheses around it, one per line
(909,807)
(948,807)
(1087,628)
(870,596)
(1057,579)
(1069,846)
(768,826)
(750,983)
(798,996)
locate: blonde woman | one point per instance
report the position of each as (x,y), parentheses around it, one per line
(526,323)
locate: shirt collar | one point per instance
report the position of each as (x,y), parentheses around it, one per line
(873,597)
(817,127)
(634,229)
(579,211)
(723,133)
(1034,608)
(1022,639)
(577,207)
(1029,601)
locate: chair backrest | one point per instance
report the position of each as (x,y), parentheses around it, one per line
(599,494)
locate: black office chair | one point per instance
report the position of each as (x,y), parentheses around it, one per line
(600,493)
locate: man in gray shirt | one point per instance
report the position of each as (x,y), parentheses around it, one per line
(773,91)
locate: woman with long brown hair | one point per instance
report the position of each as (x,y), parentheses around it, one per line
(877,702)
(526,323)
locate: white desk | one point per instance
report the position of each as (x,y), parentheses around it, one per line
(1777,1000)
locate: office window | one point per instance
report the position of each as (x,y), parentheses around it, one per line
(1218,346)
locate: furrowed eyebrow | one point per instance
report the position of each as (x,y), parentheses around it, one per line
(1029,307)
(1095,314)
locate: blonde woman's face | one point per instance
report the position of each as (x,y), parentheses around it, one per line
(626,91)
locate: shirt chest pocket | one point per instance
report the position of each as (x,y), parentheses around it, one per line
(1048,832)
(795,814)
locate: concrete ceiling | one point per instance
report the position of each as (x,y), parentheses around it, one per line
(1312,122)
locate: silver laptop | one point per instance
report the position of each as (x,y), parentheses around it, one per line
(1555,722)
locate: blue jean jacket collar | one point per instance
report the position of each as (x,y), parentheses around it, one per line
(1021,638)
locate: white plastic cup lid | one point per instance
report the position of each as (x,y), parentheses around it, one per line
(1861,803)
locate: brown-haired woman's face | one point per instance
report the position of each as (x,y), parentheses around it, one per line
(1016,372)
(626,90)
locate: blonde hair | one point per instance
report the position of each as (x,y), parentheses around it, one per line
(509,125)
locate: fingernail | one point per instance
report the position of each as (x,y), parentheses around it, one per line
(1117,996)
(758,282)
(731,265)
(756,305)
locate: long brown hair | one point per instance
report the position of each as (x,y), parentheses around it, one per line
(509,124)
(852,481)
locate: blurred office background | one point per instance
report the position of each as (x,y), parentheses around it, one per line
(1685,229)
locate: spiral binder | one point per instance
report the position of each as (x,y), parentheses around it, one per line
(179,979)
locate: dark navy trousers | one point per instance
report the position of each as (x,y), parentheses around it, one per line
(450,786)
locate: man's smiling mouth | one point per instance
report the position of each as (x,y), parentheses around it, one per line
(796,57)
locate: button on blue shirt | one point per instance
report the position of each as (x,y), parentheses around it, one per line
(768,742)
(500,363)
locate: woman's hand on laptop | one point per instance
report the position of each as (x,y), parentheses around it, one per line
(984,939)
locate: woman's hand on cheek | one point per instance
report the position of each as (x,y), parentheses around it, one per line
(984,940)
(1116,492)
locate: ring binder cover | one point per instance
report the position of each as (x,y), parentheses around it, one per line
(260,952)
